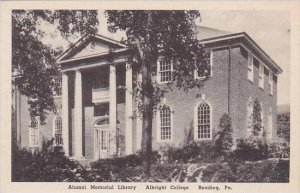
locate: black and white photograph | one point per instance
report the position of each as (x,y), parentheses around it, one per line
(166,98)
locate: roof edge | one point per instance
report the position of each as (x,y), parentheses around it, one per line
(247,38)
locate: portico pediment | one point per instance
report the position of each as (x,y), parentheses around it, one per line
(89,47)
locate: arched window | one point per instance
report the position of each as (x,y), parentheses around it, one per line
(58,131)
(34,133)
(165,124)
(203,120)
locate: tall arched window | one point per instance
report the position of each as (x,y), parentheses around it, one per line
(203,121)
(58,131)
(34,134)
(164,124)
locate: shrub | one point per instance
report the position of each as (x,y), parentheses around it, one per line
(252,149)
(278,150)
(48,165)
(257,119)
(192,153)
(224,142)
(125,161)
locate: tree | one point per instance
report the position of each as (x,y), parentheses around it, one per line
(257,118)
(159,33)
(283,126)
(34,62)
(224,142)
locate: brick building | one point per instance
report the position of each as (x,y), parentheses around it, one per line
(96,115)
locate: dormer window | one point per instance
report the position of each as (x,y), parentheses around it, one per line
(164,70)
(261,76)
(250,67)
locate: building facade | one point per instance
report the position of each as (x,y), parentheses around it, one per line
(97,112)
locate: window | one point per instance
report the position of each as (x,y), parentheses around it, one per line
(34,134)
(261,76)
(250,67)
(58,131)
(203,122)
(57,86)
(202,73)
(249,117)
(165,69)
(270,124)
(165,124)
(270,83)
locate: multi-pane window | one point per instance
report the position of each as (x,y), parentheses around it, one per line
(165,124)
(250,67)
(207,70)
(164,71)
(57,86)
(34,133)
(271,83)
(203,121)
(270,124)
(261,75)
(58,131)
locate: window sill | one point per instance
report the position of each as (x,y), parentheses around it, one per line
(162,83)
(250,81)
(206,139)
(202,78)
(164,141)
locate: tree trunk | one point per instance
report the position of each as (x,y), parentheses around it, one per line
(147,90)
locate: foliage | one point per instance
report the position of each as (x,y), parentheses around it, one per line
(252,148)
(263,171)
(50,165)
(34,62)
(224,142)
(46,166)
(125,161)
(151,34)
(278,150)
(257,118)
(283,126)
(201,152)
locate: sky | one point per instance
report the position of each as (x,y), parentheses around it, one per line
(270,29)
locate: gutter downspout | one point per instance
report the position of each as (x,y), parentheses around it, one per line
(229,77)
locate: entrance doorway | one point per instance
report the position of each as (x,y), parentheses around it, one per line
(101,138)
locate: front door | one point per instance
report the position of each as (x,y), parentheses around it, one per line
(102,142)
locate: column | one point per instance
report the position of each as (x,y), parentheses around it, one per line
(128,109)
(139,123)
(78,116)
(65,113)
(112,108)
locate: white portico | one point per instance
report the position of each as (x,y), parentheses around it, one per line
(94,115)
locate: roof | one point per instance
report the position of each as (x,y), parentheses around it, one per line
(84,40)
(246,39)
(205,34)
